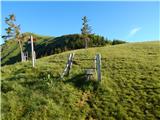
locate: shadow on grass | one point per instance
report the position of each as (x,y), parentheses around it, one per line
(12,60)
(80,82)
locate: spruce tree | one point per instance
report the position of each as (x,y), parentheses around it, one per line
(86,30)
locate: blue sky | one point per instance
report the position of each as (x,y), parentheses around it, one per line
(130,21)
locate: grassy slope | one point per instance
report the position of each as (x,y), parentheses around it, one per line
(11,51)
(130,86)
(46,45)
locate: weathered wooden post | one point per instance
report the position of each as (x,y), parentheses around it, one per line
(70,62)
(25,56)
(34,57)
(95,62)
(98,66)
(68,65)
(33,54)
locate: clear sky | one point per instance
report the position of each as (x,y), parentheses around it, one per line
(130,21)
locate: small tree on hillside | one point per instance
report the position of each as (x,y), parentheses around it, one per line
(13,31)
(86,30)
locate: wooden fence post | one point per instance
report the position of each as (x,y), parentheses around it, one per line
(32,49)
(68,65)
(95,62)
(98,64)
(34,57)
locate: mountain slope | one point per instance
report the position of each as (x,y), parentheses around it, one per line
(130,86)
(11,51)
(46,45)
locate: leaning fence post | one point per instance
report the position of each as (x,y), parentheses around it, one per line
(68,65)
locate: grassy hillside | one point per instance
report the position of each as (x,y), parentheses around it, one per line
(47,45)
(129,90)
(11,51)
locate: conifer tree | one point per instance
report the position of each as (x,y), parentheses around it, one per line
(86,30)
(13,31)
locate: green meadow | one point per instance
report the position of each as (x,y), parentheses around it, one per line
(129,89)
